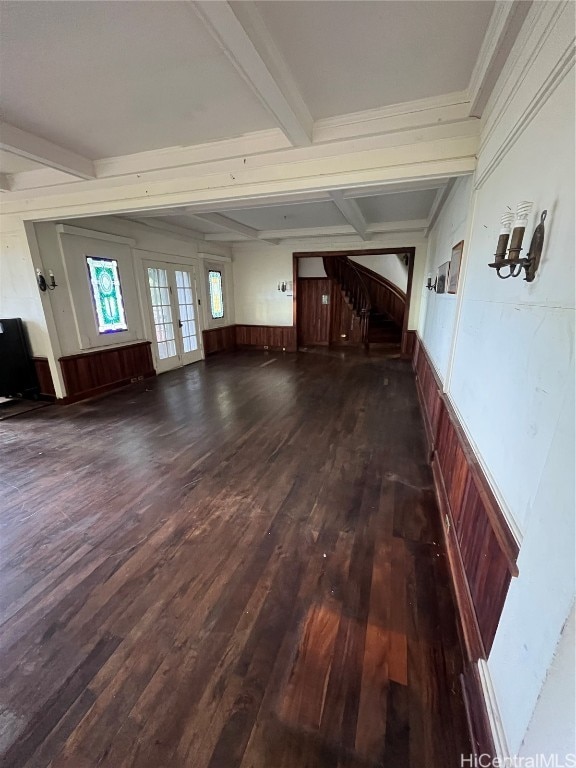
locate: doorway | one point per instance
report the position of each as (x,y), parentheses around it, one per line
(172,302)
(338,323)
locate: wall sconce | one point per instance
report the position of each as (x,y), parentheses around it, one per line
(285,286)
(431,285)
(43,284)
(514,262)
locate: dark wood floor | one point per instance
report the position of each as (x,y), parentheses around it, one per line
(234,565)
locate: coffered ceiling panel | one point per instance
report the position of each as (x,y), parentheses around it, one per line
(113,78)
(289,216)
(354,55)
(401,206)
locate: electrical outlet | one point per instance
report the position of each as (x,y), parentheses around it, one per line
(265,346)
(133,380)
(140,378)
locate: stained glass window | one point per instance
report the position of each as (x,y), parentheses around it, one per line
(107,294)
(216,297)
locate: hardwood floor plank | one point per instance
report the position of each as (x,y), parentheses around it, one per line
(234,565)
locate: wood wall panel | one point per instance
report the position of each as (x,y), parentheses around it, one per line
(276,337)
(314,316)
(93,373)
(345,325)
(484,553)
(481,548)
(219,339)
(44,376)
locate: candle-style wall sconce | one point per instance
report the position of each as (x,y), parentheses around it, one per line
(44,284)
(514,262)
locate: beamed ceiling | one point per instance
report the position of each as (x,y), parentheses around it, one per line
(99,92)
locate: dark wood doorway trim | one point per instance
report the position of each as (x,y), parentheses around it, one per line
(410,253)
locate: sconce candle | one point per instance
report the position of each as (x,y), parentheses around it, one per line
(522,213)
(504,236)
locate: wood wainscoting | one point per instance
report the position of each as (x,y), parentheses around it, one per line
(219,339)
(275,337)
(44,376)
(482,550)
(93,373)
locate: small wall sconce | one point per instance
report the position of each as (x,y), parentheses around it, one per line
(285,286)
(431,285)
(43,284)
(514,262)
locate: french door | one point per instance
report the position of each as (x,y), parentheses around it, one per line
(172,298)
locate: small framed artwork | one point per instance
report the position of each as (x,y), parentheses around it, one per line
(442,279)
(455,263)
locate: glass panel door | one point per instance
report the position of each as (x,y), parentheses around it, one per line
(162,316)
(187,316)
(173,312)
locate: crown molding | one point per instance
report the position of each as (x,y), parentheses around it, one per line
(446,109)
(560,55)
(505,24)
(255,143)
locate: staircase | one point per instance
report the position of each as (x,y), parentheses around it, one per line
(344,273)
(378,303)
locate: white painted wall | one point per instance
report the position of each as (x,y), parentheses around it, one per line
(506,350)
(439,317)
(311,267)
(554,719)
(389,265)
(19,293)
(71,306)
(259,267)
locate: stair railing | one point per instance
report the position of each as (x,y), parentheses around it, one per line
(341,269)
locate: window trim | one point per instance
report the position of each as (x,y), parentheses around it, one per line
(122,325)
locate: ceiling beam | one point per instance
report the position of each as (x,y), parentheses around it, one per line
(4,182)
(389,227)
(231,226)
(438,204)
(25,144)
(241,34)
(505,23)
(351,211)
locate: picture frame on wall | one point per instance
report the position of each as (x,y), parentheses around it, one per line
(455,263)
(442,278)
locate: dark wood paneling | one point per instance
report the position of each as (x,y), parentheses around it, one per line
(219,339)
(44,376)
(276,337)
(313,315)
(409,343)
(92,373)
(345,327)
(483,548)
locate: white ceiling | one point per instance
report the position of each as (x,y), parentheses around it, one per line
(101,91)
(397,207)
(378,53)
(289,216)
(301,220)
(113,78)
